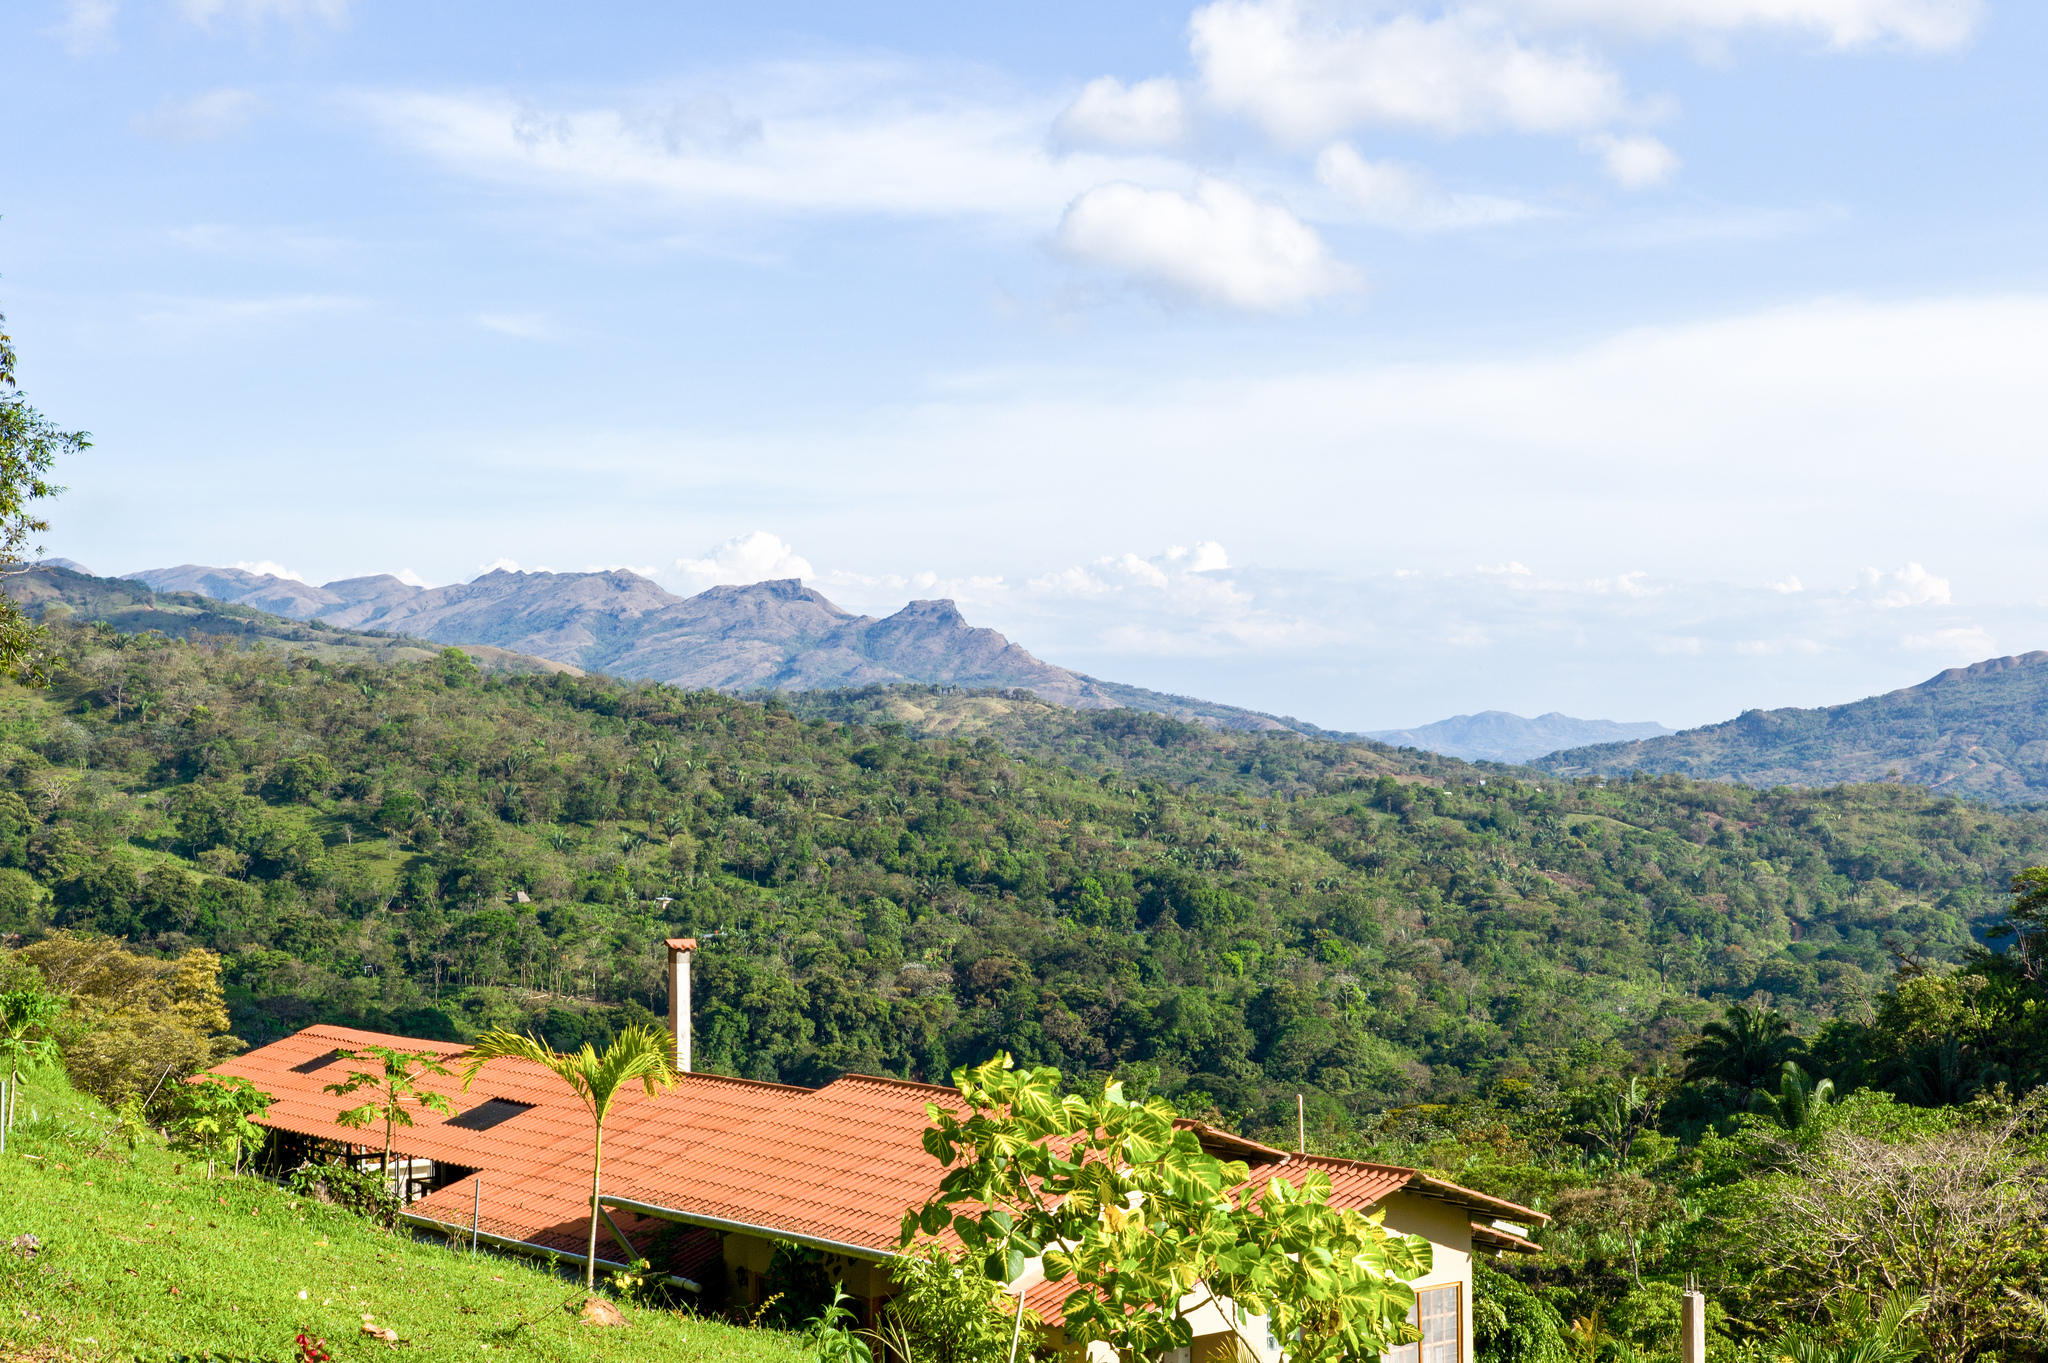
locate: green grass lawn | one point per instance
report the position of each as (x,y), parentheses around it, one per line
(141,1260)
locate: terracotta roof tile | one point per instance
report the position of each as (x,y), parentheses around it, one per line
(525,1159)
(839,1164)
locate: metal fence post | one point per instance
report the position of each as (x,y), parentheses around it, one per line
(476,1214)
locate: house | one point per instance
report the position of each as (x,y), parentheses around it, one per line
(705,1180)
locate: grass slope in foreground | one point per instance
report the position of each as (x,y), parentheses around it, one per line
(141,1261)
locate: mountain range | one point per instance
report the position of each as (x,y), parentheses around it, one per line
(1497,736)
(1979,731)
(775,635)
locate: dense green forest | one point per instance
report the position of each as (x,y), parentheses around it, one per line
(1132,742)
(422,848)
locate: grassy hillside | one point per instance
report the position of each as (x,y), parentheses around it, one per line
(143,1258)
(1980,732)
(422,849)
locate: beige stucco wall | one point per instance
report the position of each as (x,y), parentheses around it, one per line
(858,1277)
(1449,1232)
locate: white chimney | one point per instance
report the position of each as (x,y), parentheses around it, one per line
(679,950)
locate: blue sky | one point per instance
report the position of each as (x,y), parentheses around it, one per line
(1369,362)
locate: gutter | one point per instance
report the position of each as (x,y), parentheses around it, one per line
(867,1252)
(529,1248)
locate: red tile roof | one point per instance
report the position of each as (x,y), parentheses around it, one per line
(536,1165)
(840,1164)
(1352,1183)
(837,1165)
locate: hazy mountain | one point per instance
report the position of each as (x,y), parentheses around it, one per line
(360,598)
(780,635)
(277,595)
(134,607)
(1980,731)
(1497,736)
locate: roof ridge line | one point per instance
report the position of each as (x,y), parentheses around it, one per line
(892,1079)
(741,1079)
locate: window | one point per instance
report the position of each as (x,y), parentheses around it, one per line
(489,1113)
(1439,1311)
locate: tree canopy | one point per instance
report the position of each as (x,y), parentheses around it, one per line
(30,447)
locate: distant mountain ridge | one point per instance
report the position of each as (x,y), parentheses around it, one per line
(1497,736)
(776,635)
(1979,731)
(57,587)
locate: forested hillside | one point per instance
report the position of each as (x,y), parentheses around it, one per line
(1979,731)
(1136,742)
(421,848)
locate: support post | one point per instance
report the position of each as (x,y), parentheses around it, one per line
(1300,1126)
(1692,1324)
(476,1213)
(619,1235)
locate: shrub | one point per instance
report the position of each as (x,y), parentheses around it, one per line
(353,1190)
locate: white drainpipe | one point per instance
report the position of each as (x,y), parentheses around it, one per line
(679,951)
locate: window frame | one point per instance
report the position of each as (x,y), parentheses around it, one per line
(1413,1353)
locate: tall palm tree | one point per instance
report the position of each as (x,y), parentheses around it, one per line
(637,1053)
(1745,1051)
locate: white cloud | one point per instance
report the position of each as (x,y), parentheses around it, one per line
(1971,643)
(1393,195)
(1930,25)
(1206,557)
(1304,74)
(200,118)
(88,26)
(1788,586)
(1108,113)
(527,326)
(272,569)
(1218,245)
(754,557)
(411,578)
(1638,162)
(496,565)
(1139,570)
(1682,650)
(1911,585)
(886,593)
(195,316)
(817,139)
(204,12)
(648,572)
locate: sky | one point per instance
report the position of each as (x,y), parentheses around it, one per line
(1366,362)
